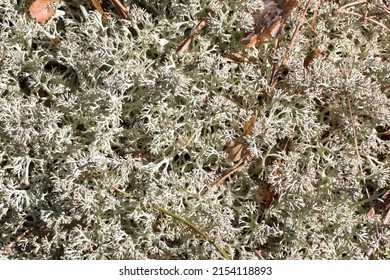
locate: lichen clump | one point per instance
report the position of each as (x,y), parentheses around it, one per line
(88,105)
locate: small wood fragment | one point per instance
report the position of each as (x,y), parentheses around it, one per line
(312,55)
(268,22)
(120,8)
(98,7)
(12,244)
(185,44)
(239,58)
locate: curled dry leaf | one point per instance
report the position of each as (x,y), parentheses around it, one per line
(42,10)
(265,195)
(238,150)
(98,7)
(313,55)
(268,21)
(248,126)
(382,205)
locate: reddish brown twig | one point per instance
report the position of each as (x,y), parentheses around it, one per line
(12,244)
(274,79)
(185,44)
(274,62)
(120,8)
(259,255)
(318,3)
(234,169)
(364,17)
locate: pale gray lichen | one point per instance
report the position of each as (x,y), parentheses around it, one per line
(87,105)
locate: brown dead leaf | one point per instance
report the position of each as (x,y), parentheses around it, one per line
(238,150)
(42,10)
(248,126)
(265,195)
(287,6)
(381,206)
(270,198)
(313,55)
(98,7)
(201,24)
(269,21)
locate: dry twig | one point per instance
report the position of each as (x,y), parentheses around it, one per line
(12,244)
(365,17)
(274,79)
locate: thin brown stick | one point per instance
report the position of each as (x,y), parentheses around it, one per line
(276,172)
(311,27)
(354,4)
(383,8)
(273,62)
(318,3)
(363,17)
(121,9)
(99,8)
(185,44)
(259,255)
(387,218)
(287,54)
(357,148)
(12,244)
(234,169)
